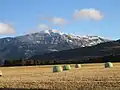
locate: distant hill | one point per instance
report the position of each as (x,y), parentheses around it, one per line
(107,51)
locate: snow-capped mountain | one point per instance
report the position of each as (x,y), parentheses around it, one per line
(43,42)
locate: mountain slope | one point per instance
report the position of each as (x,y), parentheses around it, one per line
(43,42)
(107,49)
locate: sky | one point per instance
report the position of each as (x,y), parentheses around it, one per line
(80,17)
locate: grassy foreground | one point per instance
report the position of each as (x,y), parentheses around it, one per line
(89,77)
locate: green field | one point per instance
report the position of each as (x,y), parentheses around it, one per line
(89,77)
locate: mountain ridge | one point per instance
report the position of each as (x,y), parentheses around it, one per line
(41,42)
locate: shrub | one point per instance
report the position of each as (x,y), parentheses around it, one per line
(57,69)
(66,67)
(77,66)
(108,65)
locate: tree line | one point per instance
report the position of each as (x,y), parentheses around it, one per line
(27,62)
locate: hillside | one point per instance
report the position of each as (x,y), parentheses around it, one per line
(84,54)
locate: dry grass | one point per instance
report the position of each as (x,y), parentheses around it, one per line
(89,77)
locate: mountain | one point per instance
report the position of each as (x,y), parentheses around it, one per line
(108,51)
(42,42)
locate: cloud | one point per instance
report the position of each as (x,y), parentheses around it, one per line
(6,28)
(90,13)
(42,27)
(56,20)
(38,28)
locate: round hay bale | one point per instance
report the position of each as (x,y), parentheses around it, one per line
(0,73)
(66,67)
(108,65)
(57,69)
(77,66)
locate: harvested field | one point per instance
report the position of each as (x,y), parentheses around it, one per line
(89,77)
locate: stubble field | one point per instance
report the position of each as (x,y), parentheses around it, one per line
(89,77)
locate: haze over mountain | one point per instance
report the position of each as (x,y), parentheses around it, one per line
(41,42)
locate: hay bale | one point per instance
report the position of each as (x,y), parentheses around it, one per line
(77,66)
(108,65)
(66,67)
(57,69)
(0,73)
